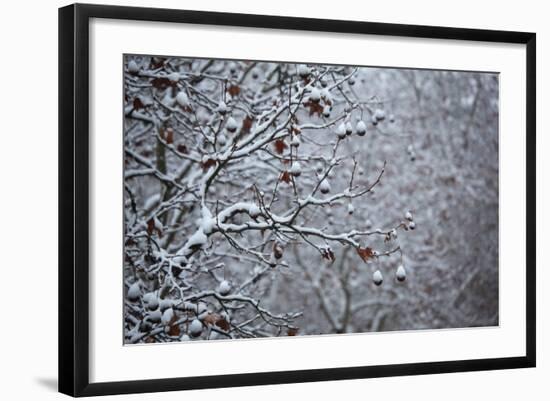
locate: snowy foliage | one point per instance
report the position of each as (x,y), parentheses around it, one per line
(250,199)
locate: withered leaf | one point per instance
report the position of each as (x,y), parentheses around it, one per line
(223,324)
(314,108)
(150,226)
(157,62)
(169,135)
(295,130)
(213,319)
(208,163)
(292,331)
(182,148)
(286,177)
(280,146)
(138,104)
(174,330)
(234,90)
(210,319)
(246,125)
(365,253)
(328,254)
(161,82)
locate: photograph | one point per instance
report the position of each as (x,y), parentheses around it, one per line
(277,199)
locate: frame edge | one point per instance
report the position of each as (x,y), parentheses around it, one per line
(73,369)
(531,199)
(66,306)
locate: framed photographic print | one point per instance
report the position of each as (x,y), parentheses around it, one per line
(249,199)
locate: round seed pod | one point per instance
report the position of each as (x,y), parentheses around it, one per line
(324,187)
(133,68)
(295,169)
(341,131)
(224,288)
(154,316)
(231,125)
(361,128)
(401,273)
(134,292)
(195,328)
(377,278)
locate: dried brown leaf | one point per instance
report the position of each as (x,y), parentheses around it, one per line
(314,108)
(365,253)
(328,254)
(234,90)
(286,177)
(292,331)
(208,163)
(169,135)
(280,146)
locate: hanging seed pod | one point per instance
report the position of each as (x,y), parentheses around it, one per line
(377,278)
(154,316)
(222,108)
(303,71)
(224,288)
(221,139)
(277,250)
(295,169)
(324,187)
(401,273)
(182,99)
(315,95)
(379,114)
(195,328)
(133,68)
(231,125)
(167,316)
(134,292)
(151,300)
(341,131)
(361,128)
(174,77)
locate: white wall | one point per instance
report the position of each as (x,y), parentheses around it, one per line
(28,168)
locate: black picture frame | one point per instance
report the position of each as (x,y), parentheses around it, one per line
(74,198)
